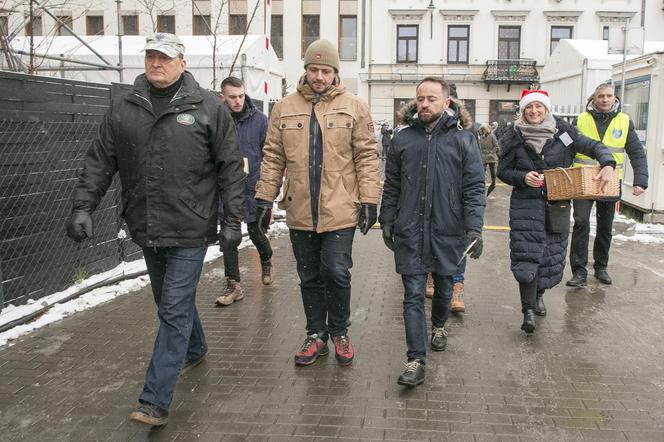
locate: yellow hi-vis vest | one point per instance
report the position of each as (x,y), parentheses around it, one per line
(615,138)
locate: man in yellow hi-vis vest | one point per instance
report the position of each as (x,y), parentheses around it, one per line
(603,121)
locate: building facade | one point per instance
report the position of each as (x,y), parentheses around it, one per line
(490,49)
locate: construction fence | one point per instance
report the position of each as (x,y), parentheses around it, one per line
(46,126)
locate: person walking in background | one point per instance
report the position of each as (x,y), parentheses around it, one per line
(385,139)
(325,137)
(539,229)
(603,121)
(489,149)
(432,209)
(251,125)
(175,148)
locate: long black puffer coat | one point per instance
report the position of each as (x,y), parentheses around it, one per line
(534,252)
(433,193)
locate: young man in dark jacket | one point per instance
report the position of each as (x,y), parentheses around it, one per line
(603,121)
(175,148)
(251,126)
(432,210)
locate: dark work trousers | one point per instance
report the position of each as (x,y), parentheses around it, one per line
(413,310)
(231,260)
(174,274)
(492,171)
(529,294)
(578,256)
(323,265)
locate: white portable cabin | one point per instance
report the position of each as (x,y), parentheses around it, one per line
(644,102)
(256,63)
(575,69)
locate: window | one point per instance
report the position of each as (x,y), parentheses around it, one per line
(130,25)
(605,33)
(4,25)
(94,25)
(59,28)
(201,25)
(34,27)
(558,33)
(637,102)
(457,44)
(348,37)
(509,42)
(166,23)
(277,32)
(407,43)
(310,31)
(237,24)
(503,111)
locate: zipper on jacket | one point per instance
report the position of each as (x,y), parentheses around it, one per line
(314,176)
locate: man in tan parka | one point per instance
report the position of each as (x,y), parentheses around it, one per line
(324,136)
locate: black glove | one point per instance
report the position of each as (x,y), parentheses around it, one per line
(231,233)
(79,225)
(388,235)
(368,217)
(476,250)
(263,215)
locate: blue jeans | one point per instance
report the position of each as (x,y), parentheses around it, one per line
(323,263)
(458,278)
(174,274)
(413,310)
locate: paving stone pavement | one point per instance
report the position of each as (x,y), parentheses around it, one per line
(592,371)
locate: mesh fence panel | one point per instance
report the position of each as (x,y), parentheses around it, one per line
(38,170)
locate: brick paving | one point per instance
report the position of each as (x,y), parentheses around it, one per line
(592,371)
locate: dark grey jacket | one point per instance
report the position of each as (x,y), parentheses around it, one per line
(172,167)
(433,194)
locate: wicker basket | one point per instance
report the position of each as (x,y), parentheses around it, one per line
(576,183)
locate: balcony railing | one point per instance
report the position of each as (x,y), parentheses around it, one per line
(511,71)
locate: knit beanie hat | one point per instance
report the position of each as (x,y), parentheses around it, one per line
(528,96)
(322,52)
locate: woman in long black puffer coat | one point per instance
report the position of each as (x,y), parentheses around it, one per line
(538,234)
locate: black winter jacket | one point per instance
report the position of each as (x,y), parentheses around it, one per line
(172,167)
(433,194)
(535,253)
(251,126)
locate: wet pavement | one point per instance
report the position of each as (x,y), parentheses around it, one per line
(593,370)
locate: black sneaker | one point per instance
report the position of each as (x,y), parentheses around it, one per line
(150,415)
(438,339)
(579,279)
(188,365)
(414,374)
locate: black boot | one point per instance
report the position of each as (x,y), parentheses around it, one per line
(540,310)
(528,321)
(579,279)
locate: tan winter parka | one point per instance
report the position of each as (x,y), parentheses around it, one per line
(349,174)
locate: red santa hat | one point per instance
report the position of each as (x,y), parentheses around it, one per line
(528,96)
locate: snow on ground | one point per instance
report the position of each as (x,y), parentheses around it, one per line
(58,311)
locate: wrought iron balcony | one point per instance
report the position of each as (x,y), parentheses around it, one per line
(511,71)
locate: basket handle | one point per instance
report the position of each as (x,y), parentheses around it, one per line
(565,172)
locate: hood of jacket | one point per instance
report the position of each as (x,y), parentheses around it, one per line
(590,107)
(336,88)
(408,114)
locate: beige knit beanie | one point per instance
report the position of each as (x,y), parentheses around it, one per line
(322,52)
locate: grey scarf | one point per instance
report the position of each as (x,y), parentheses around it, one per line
(536,135)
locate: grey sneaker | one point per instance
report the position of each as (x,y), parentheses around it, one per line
(233,292)
(438,339)
(266,272)
(150,415)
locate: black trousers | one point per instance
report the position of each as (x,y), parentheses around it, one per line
(578,256)
(492,171)
(231,260)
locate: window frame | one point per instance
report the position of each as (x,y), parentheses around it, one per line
(303,45)
(195,25)
(234,26)
(341,18)
(59,28)
(557,40)
(280,52)
(457,40)
(124,27)
(90,23)
(161,18)
(606,29)
(408,39)
(508,40)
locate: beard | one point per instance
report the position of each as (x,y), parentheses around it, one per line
(429,118)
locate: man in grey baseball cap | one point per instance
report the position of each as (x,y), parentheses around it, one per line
(175,147)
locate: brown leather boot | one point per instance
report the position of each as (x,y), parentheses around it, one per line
(457,305)
(429,292)
(266,272)
(233,292)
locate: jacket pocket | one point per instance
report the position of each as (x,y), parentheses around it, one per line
(294,131)
(338,132)
(188,197)
(285,202)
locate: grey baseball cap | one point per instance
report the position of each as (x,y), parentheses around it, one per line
(168,44)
